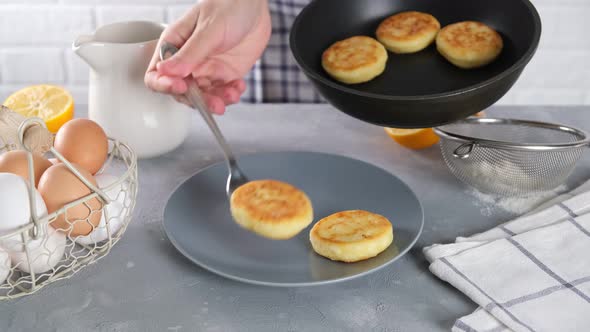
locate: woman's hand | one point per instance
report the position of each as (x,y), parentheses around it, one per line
(219,41)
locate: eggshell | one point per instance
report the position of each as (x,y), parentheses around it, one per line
(16,162)
(14,207)
(83,142)
(4,266)
(117,209)
(44,253)
(59,186)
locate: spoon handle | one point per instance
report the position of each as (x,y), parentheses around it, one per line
(195,97)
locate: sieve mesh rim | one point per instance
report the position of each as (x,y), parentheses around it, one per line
(450,135)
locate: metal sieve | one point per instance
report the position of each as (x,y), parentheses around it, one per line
(511,157)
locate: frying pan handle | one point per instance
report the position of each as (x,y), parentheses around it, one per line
(464,150)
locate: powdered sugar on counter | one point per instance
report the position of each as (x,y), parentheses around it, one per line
(516,205)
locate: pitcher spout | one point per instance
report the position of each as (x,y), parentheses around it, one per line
(121,46)
(83,47)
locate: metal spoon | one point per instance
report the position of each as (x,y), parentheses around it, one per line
(236,177)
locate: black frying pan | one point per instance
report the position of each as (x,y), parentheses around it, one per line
(421,89)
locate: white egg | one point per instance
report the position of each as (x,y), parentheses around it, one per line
(116,210)
(4,265)
(44,253)
(14,208)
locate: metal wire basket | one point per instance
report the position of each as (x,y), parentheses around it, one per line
(511,157)
(36,254)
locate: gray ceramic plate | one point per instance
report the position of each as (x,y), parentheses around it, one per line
(198,222)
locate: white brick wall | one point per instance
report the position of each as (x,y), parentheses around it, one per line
(35,38)
(17,61)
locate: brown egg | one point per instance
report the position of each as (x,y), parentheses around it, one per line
(83,142)
(58,187)
(16,162)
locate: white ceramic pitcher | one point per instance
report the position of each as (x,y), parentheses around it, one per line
(118,55)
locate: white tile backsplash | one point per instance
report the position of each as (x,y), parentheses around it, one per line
(564,25)
(546,96)
(35,39)
(7,2)
(551,68)
(42,25)
(40,65)
(110,14)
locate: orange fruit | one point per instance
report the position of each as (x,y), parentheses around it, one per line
(413,138)
(51,103)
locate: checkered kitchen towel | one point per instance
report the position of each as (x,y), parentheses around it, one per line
(530,274)
(276,78)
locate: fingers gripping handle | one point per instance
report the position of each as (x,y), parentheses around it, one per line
(195,97)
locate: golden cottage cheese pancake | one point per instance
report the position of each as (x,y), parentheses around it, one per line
(408,32)
(272,209)
(355,60)
(351,236)
(469,44)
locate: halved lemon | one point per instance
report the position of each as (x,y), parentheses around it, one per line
(51,103)
(413,138)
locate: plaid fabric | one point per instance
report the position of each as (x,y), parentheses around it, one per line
(276,78)
(530,274)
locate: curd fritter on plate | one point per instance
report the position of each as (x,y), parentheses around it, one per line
(354,60)
(408,32)
(351,236)
(469,44)
(272,209)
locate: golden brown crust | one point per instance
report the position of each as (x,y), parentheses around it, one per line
(351,226)
(469,44)
(407,26)
(272,209)
(471,36)
(351,236)
(271,201)
(353,53)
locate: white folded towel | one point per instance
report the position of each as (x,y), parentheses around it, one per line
(529,274)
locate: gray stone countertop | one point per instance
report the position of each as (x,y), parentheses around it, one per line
(144,284)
